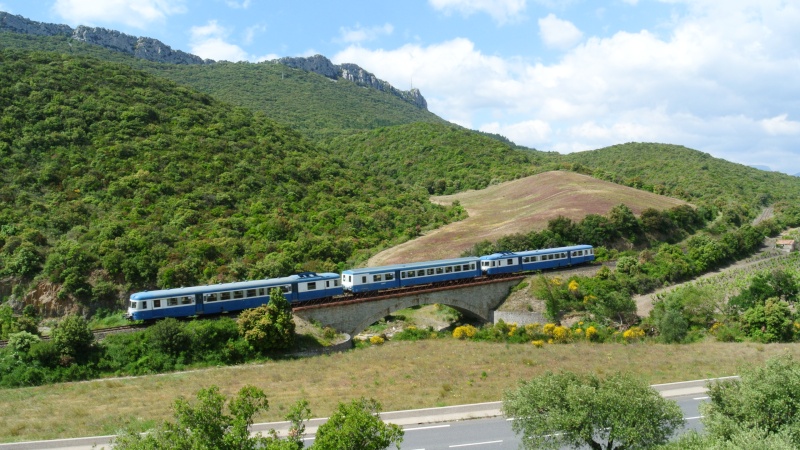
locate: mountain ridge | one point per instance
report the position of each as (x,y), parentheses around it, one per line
(151,49)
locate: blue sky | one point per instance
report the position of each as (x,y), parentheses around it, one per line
(560,75)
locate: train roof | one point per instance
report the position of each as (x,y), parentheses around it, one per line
(416,265)
(544,251)
(268,282)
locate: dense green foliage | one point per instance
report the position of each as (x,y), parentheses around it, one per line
(310,103)
(760,311)
(684,173)
(206,425)
(760,410)
(268,327)
(567,409)
(114,178)
(442,159)
(168,345)
(357,426)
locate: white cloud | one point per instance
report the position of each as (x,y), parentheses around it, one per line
(251,32)
(778,125)
(557,33)
(209,41)
(501,11)
(133,13)
(360,34)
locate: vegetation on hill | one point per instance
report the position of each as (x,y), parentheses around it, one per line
(316,106)
(687,174)
(442,159)
(113,178)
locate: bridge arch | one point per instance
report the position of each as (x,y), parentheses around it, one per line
(475,300)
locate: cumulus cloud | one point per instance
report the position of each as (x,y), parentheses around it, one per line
(557,33)
(133,13)
(361,34)
(718,77)
(210,41)
(501,11)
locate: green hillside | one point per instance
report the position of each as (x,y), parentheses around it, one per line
(442,159)
(687,174)
(116,179)
(312,104)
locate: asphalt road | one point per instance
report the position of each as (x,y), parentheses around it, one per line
(478,426)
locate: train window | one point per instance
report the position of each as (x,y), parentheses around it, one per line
(156,303)
(421,273)
(238,294)
(363,279)
(389,276)
(211,297)
(311,286)
(172,301)
(448,269)
(439,270)
(430,271)
(143,305)
(251,293)
(224,295)
(457,268)
(286,289)
(186,300)
(563,256)
(262,291)
(336,282)
(472,266)
(133,305)
(509,262)
(377,277)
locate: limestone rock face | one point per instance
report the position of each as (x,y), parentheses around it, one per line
(352,72)
(140,47)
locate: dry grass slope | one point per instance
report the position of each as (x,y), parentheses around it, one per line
(401,375)
(520,206)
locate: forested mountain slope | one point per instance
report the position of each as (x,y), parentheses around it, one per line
(312,104)
(115,179)
(443,159)
(687,174)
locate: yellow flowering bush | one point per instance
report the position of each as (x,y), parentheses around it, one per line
(556,281)
(633,334)
(573,286)
(533,328)
(548,328)
(538,343)
(591,333)
(376,340)
(464,331)
(561,334)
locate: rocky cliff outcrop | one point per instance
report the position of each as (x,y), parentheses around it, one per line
(155,50)
(323,66)
(140,47)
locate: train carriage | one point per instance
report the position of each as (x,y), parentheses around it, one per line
(530,260)
(412,274)
(225,297)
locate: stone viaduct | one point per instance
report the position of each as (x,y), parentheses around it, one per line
(477,300)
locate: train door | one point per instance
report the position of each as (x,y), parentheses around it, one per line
(198,304)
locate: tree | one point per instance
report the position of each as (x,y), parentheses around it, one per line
(357,426)
(764,399)
(72,337)
(205,425)
(269,326)
(567,409)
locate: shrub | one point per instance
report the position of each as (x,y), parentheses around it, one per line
(538,343)
(376,340)
(633,334)
(464,332)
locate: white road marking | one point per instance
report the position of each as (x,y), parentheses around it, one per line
(476,443)
(701,398)
(426,428)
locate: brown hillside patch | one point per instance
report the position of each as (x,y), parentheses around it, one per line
(520,206)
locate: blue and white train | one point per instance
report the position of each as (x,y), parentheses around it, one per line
(227,297)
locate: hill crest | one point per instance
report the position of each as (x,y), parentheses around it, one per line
(520,206)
